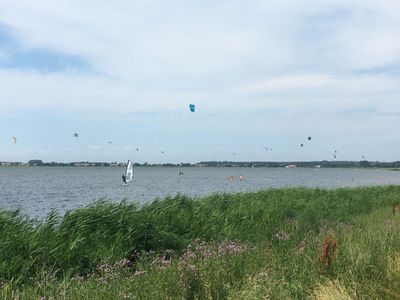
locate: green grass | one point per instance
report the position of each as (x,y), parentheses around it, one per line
(256,245)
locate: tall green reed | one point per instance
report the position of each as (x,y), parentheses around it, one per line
(82,239)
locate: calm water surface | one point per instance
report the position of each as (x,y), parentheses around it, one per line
(38,190)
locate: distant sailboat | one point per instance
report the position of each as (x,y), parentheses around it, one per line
(129,171)
(127,177)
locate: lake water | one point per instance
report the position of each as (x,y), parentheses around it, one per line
(38,190)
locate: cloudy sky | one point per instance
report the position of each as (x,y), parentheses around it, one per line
(262,73)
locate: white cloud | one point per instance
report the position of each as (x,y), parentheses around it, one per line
(289,82)
(149,42)
(322,93)
(314,59)
(98,95)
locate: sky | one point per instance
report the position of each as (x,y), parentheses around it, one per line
(262,73)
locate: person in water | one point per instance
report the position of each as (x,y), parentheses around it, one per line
(124,178)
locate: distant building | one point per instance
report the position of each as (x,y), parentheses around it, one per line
(200,165)
(291,166)
(35,162)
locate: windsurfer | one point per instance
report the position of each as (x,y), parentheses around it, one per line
(124,178)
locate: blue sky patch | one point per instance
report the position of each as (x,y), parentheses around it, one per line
(14,56)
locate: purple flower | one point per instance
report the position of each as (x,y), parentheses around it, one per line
(139,273)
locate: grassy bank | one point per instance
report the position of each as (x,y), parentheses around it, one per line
(282,244)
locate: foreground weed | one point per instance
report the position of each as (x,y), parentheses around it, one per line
(333,290)
(330,248)
(393,266)
(395,207)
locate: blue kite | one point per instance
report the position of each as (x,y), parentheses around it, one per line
(192,107)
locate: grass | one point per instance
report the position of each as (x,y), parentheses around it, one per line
(275,244)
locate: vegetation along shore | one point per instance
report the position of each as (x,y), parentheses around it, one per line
(394,165)
(294,243)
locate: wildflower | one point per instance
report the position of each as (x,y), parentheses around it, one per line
(227,285)
(122,264)
(139,273)
(104,268)
(282,236)
(125,296)
(192,268)
(262,275)
(103,280)
(301,247)
(78,278)
(188,255)
(166,263)
(324,229)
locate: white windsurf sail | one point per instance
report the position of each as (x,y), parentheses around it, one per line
(129,171)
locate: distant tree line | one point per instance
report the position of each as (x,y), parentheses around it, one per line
(304,164)
(37,162)
(250,164)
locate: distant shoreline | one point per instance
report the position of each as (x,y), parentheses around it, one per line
(391,166)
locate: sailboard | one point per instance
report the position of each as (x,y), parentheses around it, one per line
(129,171)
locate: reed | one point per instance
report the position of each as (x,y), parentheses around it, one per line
(224,246)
